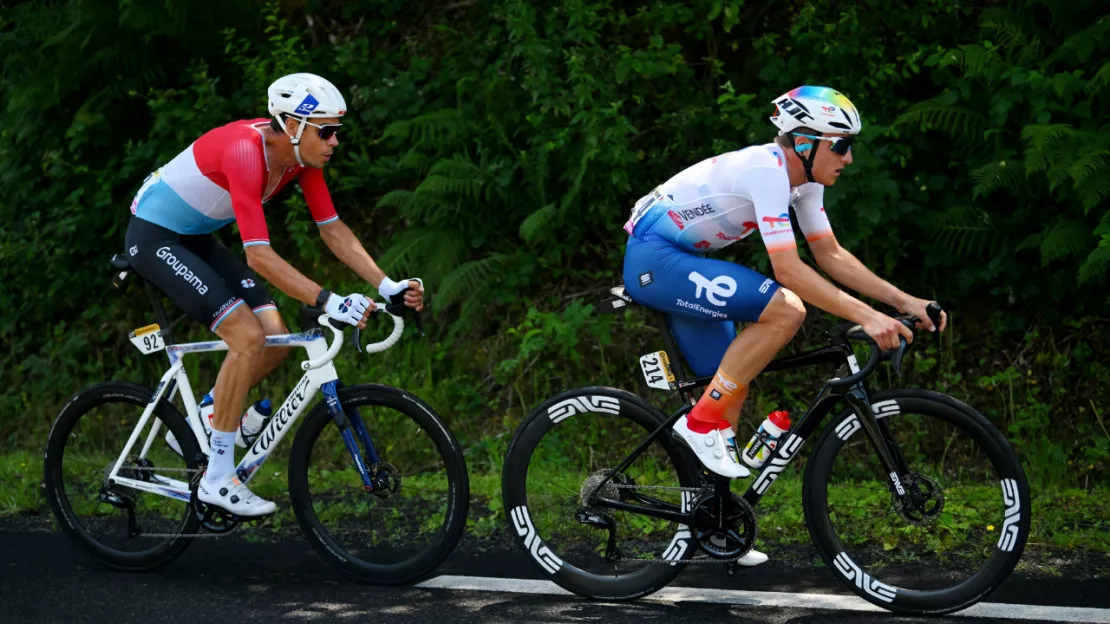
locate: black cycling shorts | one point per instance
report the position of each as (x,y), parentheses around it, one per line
(195,271)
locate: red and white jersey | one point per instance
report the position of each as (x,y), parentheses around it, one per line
(221,178)
(723,199)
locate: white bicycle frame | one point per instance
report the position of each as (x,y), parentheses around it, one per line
(319,374)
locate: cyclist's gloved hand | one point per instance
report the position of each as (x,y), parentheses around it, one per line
(352,309)
(414,298)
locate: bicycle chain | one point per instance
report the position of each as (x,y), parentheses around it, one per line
(191,471)
(633,486)
(618,486)
(702,560)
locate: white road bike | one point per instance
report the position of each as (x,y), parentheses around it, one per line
(377,482)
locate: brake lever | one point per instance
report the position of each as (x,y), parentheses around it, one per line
(933,309)
(397,307)
(898,354)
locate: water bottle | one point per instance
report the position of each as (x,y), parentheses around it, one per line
(766,438)
(206,416)
(253,422)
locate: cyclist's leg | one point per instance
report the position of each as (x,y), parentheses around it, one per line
(245,338)
(662,276)
(159,256)
(245,283)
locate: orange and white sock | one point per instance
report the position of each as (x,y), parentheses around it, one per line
(723,396)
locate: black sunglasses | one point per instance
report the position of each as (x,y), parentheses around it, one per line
(325,132)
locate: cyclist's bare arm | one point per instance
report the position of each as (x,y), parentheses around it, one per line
(275,270)
(345,245)
(846,269)
(796,275)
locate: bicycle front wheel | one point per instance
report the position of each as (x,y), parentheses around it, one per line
(560,456)
(407,526)
(121,527)
(957,534)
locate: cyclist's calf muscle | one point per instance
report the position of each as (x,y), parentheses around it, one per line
(245,339)
(759,342)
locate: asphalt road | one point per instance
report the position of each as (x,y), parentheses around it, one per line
(44,579)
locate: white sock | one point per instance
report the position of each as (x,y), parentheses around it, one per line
(222,462)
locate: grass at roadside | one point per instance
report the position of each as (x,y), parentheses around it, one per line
(1063,519)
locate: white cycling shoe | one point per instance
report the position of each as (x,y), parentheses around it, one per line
(206,412)
(231,495)
(712,451)
(753,558)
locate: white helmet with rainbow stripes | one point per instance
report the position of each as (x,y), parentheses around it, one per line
(819,108)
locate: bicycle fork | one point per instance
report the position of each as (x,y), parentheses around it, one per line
(350,425)
(882,441)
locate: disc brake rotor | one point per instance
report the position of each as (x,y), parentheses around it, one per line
(923,502)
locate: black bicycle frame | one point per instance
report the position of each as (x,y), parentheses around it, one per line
(787,449)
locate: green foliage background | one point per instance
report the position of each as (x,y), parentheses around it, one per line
(495,147)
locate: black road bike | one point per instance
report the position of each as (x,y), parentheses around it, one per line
(913,498)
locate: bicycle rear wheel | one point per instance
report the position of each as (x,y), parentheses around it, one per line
(560,454)
(120,527)
(397,534)
(964,529)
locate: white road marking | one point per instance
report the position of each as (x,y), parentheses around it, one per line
(772,599)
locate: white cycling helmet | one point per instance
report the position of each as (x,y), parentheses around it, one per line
(304,96)
(820,108)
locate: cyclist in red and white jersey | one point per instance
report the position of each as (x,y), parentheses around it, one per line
(727,198)
(225,177)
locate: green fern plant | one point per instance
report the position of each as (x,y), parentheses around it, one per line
(1008,175)
(965,231)
(942,114)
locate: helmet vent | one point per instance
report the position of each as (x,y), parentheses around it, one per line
(837,124)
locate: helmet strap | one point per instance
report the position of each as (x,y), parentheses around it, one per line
(807,159)
(294,139)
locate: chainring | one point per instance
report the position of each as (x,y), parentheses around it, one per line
(727,533)
(212,518)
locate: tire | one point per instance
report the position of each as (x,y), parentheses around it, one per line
(971,437)
(318,456)
(61,484)
(605,406)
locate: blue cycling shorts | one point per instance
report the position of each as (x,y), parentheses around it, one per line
(703,298)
